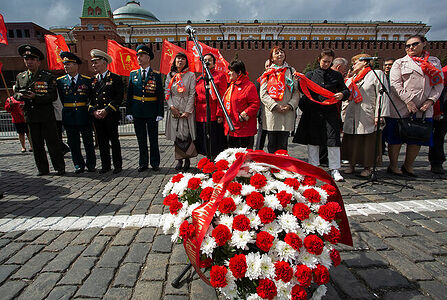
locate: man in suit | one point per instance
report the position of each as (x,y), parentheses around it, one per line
(75,91)
(145,98)
(107,97)
(37,88)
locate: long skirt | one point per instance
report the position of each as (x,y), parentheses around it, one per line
(359,149)
(218,139)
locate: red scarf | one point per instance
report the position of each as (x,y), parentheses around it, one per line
(433,73)
(306,84)
(276,83)
(229,92)
(351,83)
(178,80)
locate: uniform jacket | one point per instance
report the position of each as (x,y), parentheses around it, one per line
(409,83)
(75,100)
(275,121)
(243,98)
(43,84)
(360,116)
(15,108)
(221,83)
(107,93)
(145,99)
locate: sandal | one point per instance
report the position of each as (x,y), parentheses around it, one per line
(349,170)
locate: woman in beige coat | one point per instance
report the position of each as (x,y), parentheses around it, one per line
(416,83)
(279,97)
(180,87)
(361,117)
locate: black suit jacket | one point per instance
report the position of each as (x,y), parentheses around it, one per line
(107,94)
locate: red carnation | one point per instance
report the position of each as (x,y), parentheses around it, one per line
(218,276)
(206,263)
(221,234)
(266,289)
(331,191)
(217,176)
(222,165)
(292,182)
(329,210)
(299,293)
(255,200)
(321,275)
(238,265)
(267,215)
(284,198)
(202,163)
(175,207)
(313,244)
(234,188)
(227,205)
(264,241)
(206,193)
(194,183)
(209,168)
(293,240)
(303,275)
(333,236)
(301,211)
(282,152)
(335,257)
(283,271)
(169,199)
(241,223)
(258,180)
(177,178)
(309,180)
(187,230)
(312,195)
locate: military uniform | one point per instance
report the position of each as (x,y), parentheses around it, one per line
(76,119)
(39,113)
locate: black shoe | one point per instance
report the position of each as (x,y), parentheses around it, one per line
(117,170)
(43,173)
(142,169)
(187,165)
(156,169)
(102,171)
(79,170)
(388,170)
(179,165)
(406,173)
(91,169)
(60,172)
(437,170)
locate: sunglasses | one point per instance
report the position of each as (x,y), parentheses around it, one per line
(408,46)
(386,65)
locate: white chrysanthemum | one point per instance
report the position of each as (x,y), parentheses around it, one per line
(253,265)
(167,189)
(168,223)
(314,207)
(192,207)
(230,291)
(226,220)
(242,209)
(323,194)
(307,259)
(284,289)
(247,189)
(308,224)
(255,221)
(229,154)
(208,246)
(298,195)
(254,297)
(284,251)
(180,187)
(288,222)
(273,228)
(240,239)
(243,173)
(271,187)
(321,225)
(207,183)
(325,258)
(237,199)
(272,202)
(256,167)
(267,267)
(319,292)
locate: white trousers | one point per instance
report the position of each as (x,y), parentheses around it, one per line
(313,153)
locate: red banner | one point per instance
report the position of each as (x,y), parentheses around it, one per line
(168,53)
(221,63)
(203,215)
(55,45)
(306,84)
(1,66)
(3,36)
(124,59)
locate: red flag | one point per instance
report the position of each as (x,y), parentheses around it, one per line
(221,63)
(124,59)
(1,66)
(55,45)
(168,53)
(3,39)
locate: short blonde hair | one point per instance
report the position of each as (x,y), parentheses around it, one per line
(354,59)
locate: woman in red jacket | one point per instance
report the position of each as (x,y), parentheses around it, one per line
(242,104)
(218,140)
(15,108)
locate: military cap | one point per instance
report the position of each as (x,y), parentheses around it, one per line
(70,57)
(30,51)
(98,54)
(146,50)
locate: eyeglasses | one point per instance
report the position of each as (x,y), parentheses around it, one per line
(408,46)
(388,65)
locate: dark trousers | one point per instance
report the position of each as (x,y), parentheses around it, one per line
(46,133)
(64,147)
(74,141)
(107,132)
(143,128)
(436,154)
(278,140)
(260,138)
(241,141)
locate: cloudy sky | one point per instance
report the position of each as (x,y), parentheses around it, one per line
(47,13)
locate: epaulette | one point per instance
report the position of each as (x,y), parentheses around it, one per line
(156,72)
(85,76)
(61,77)
(23,74)
(134,71)
(47,72)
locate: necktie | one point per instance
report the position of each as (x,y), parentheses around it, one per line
(144,76)
(73,83)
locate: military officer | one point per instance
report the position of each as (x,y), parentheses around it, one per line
(37,88)
(75,91)
(107,97)
(145,97)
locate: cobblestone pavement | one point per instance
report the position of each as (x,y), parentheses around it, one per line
(92,236)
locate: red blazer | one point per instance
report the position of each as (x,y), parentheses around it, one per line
(221,83)
(243,98)
(15,109)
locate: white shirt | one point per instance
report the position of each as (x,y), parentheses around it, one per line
(75,78)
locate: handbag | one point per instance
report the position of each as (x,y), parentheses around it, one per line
(415,129)
(186,148)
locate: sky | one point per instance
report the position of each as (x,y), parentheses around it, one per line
(48,13)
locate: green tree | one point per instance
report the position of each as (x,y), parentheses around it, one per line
(310,67)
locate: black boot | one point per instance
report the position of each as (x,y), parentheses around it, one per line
(187,164)
(179,165)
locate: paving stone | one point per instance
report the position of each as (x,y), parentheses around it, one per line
(148,290)
(435,237)
(201,290)
(432,225)
(24,254)
(331,293)
(407,268)
(33,266)
(10,289)
(348,284)
(178,255)
(413,216)
(78,271)
(118,294)
(438,270)
(96,284)
(65,292)
(112,256)
(9,250)
(97,246)
(380,230)
(127,275)
(4,242)
(6,271)
(413,253)
(40,287)
(156,267)
(427,245)
(373,241)
(402,219)
(404,295)
(383,278)
(162,244)
(30,236)
(86,236)
(434,289)
(62,241)
(13,234)
(137,253)
(179,297)
(47,237)
(398,228)
(110,231)
(64,259)
(124,237)
(363,260)
(173,272)
(145,235)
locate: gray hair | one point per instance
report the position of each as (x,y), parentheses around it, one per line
(340,61)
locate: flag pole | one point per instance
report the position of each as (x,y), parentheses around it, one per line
(4,82)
